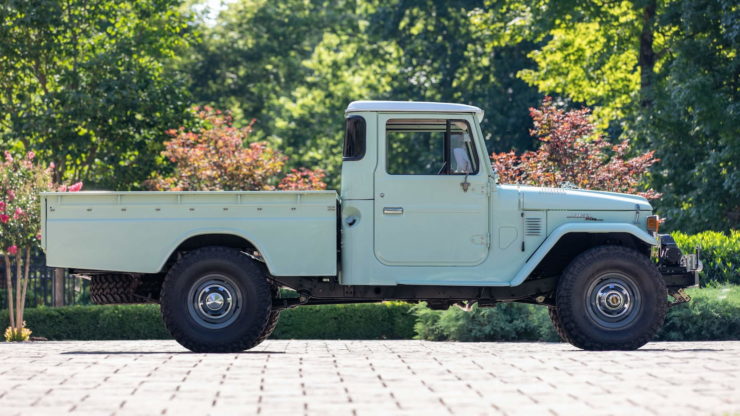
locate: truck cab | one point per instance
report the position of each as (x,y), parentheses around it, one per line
(420,217)
(421,204)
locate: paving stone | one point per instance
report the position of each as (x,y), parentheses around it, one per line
(369,378)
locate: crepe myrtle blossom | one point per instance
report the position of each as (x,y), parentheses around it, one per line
(21,181)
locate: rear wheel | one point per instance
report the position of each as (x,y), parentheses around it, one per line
(216,299)
(609,298)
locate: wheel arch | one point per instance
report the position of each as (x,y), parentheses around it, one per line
(221,238)
(569,240)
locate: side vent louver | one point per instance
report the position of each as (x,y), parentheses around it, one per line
(533,227)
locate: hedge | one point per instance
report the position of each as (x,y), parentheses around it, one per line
(387,320)
(94,322)
(720,254)
(713,314)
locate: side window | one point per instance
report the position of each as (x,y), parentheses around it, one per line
(429,147)
(354,138)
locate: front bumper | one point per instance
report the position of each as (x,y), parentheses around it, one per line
(679,270)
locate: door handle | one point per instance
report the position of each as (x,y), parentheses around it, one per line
(392,210)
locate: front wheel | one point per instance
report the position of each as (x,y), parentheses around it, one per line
(215,299)
(609,298)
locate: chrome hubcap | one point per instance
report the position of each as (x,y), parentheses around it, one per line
(214,301)
(613,301)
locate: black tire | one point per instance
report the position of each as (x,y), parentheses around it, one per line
(609,298)
(116,289)
(272,322)
(555,319)
(215,299)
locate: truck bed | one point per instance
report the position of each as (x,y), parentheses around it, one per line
(137,232)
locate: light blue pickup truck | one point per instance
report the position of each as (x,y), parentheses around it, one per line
(420,217)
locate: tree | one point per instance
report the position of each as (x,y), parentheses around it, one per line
(572,153)
(448,54)
(21,180)
(220,157)
(84,83)
(255,53)
(694,122)
(295,65)
(661,73)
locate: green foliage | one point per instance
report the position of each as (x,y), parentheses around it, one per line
(694,123)
(295,65)
(84,85)
(446,55)
(590,57)
(713,314)
(505,322)
(387,320)
(255,53)
(720,255)
(96,322)
(660,73)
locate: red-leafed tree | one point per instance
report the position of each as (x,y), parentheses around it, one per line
(219,157)
(571,152)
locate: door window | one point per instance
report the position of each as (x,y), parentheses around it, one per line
(429,147)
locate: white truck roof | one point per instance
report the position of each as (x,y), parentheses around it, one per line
(414,106)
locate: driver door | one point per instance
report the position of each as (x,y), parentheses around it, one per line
(431,199)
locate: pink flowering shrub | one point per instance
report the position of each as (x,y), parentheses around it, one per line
(21,180)
(219,156)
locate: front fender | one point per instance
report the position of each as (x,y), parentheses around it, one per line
(539,254)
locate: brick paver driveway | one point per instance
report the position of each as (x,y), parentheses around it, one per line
(368,377)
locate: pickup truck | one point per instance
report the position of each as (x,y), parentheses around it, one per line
(420,217)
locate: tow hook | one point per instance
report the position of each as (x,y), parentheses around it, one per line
(679,297)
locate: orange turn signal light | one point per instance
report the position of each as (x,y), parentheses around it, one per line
(653,223)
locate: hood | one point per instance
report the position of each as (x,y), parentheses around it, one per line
(534,198)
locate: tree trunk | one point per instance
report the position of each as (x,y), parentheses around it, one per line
(18,291)
(646,59)
(9,282)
